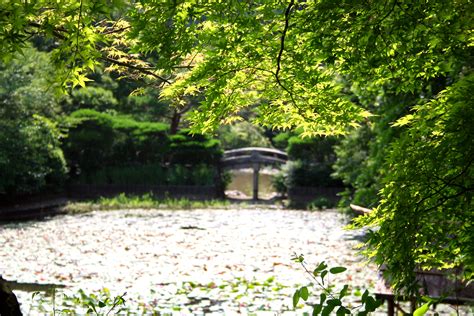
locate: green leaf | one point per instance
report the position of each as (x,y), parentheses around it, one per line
(364,296)
(404,120)
(296,298)
(334,301)
(342,311)
(298,259)
(317,309)
(420,311)
(371,304)
(343,292)
(323,274)
(327,310)
(304,293)
(322,299)
(322,266)
(337,270)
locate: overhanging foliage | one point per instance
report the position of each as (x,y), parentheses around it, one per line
(317,65)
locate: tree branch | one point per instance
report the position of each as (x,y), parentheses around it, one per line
(282,43)
(140,69)
(280,54)
(56,32)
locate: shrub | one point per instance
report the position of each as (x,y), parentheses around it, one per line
(32,147)
(193,149)
(300,173)
(311,161)
(103,148)
(91,97)
(320,203)
(280,141)
(279,182)
(318,149)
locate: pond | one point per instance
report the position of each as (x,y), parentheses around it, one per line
(182,262)
(241,185)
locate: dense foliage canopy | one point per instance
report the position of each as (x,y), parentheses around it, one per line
(30,153)
(112,149)
(320,65)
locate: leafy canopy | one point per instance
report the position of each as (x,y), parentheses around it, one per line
(302,64)
(426,215)
(288,58)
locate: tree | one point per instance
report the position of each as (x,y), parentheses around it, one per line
(31,160)
(291,61)
(242,134)
(425,217)
(362,153)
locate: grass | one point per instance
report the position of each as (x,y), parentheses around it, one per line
(146,201)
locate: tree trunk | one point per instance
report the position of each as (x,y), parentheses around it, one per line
(175,120)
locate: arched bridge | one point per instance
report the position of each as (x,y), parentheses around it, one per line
(253,157)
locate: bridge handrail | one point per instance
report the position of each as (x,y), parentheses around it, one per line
(251,159)
(255,149)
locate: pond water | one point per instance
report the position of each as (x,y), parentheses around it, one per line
(182,262)
(241,184)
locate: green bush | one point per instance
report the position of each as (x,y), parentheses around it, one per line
(306,174)
(193,149)
(320,203)
(97,140)
(310,164)
(91,97)
(104,148)
(31,160)
(90,141)
(280,141)
(362,153)
(313,150)
(280,182)
(151,174)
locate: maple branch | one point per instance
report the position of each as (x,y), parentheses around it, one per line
(280,53)
(140,69)
(56,31)
(282,42)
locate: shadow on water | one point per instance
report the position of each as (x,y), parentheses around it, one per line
(34,219)
(30,213)
(48,288)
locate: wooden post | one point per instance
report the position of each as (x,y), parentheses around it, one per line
(256,170)
(390,306)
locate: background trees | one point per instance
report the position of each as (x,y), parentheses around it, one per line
(30,154)
(325,67)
